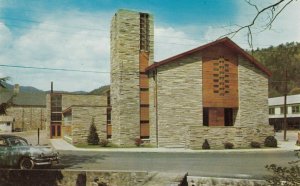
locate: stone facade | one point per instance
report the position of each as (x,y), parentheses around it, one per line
(253,95)
(179,100)
(82,100)
(251,119)
(125,91)
(83,107)
(81,119)
(241,137)
(28,117)
(214,181)
(176,106)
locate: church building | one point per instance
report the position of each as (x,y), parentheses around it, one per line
(216,92)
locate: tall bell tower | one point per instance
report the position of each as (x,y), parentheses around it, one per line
(131,53)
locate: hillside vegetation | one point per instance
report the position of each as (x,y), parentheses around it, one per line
(100,91)
(277,59)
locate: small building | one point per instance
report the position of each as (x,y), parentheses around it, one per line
(6,123)
(276,112)
(77,121)
(70,116)
(27,110)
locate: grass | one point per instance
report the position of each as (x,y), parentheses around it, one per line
(112,145)
(87,146)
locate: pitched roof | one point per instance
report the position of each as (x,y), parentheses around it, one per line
(24,99)
(226,41)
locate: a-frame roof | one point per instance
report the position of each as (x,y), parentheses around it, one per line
(227,42)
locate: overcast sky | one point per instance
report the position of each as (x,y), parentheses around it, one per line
(74,34)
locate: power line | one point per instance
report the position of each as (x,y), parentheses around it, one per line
(40,22)
(49,30)
(53,69)
(91,29)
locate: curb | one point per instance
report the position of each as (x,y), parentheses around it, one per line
(162,150)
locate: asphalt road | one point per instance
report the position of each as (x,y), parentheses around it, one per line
(233,164)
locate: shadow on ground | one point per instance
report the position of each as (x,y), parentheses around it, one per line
(74,161)
(14,177)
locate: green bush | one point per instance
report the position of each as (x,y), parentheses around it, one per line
(104,142)
(205,145)
(228,145)
(270,141)
(93,138)
(255,144)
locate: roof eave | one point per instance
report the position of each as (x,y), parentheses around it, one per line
(227,42)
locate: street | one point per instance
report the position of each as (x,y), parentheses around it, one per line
(233,164)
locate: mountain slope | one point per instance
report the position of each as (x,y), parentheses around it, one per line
(25,89)
(277,59)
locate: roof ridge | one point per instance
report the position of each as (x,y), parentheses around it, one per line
(202,47)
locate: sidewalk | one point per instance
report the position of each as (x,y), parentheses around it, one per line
(289,145)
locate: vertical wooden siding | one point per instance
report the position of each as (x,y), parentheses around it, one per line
(216,117)
(144,95)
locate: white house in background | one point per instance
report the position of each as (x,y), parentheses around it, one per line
(276,112)
(6,123)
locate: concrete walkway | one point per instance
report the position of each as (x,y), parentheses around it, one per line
(60,144)
(289,145)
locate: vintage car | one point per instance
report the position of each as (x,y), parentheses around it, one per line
(16,152)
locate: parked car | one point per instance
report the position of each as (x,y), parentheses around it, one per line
(16,152)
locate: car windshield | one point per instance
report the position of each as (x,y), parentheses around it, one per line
(17,142)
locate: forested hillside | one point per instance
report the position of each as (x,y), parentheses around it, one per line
(277,59)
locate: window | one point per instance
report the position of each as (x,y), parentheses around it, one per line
(205,117)
(228,116)
(281,110)
(271,111)
(144,32)
(296,109)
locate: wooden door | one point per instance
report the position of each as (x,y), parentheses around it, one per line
(216,117)
(55,130)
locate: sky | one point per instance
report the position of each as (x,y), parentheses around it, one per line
(74,35)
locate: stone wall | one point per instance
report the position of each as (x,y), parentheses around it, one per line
(69,100)
(241,137)
(28,117)
(253,95)
(211,181)
(179,99)
(82,100)
(11,177)
(153,130)
(82,119)
(124,90)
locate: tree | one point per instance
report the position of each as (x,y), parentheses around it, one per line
(284,175)
(3,80)
(4,106)
(271,11)
(295,91)
(93,138)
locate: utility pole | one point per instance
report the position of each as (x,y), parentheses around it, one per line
(285,107)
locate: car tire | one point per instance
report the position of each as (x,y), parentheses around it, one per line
(26,163)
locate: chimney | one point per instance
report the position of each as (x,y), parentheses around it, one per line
(16,89)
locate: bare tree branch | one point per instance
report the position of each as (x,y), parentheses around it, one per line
(269,25)
(273,9)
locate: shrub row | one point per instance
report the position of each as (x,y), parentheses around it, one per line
(270,141)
